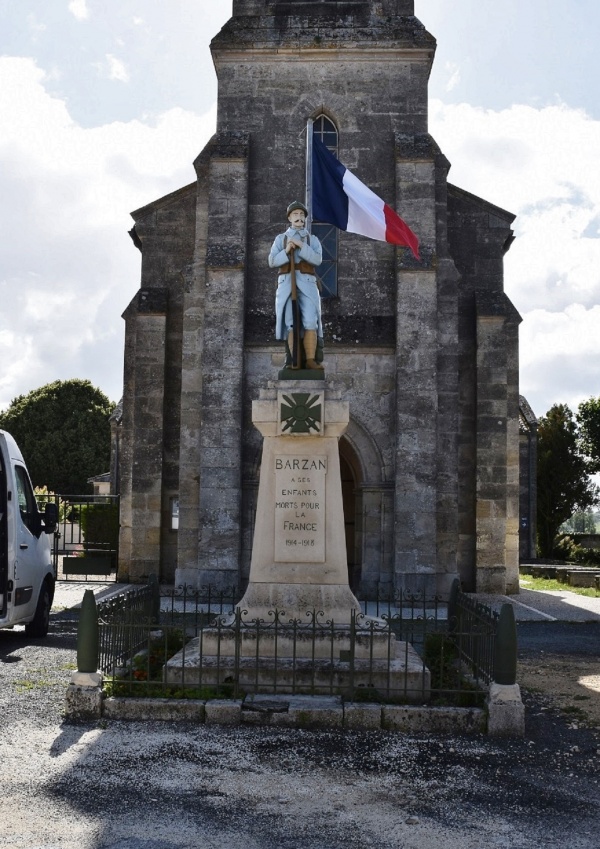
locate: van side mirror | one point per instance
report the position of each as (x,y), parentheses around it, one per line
(50,517)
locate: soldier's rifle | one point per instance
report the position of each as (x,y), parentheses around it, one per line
(296,317)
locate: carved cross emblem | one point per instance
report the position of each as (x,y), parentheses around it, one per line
(300,413)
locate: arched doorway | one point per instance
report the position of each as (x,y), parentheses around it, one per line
(352,500)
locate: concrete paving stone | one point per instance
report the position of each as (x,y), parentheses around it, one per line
(223,712)
(171,710)
(433,720)
(362,715)
(316,711)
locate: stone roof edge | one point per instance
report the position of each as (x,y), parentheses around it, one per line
(486,204)
(526,411)
(165,200)
(236,31)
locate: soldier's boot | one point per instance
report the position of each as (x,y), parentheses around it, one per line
(290,341)
(310,349)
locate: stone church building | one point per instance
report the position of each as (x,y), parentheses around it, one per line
(425,352)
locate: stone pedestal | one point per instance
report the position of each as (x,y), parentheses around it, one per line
(298,626)
(299,560)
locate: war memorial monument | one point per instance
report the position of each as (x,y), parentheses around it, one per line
(377,449)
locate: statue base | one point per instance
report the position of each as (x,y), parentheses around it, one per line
(299,628)
(288,373)
(306,659)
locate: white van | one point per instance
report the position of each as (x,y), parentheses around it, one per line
(26,572)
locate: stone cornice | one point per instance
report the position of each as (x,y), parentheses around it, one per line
(322,31)
(320,53)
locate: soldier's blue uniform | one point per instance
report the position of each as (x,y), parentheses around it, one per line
(308,293)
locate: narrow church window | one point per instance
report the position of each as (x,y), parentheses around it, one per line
(327,132)
(174,506)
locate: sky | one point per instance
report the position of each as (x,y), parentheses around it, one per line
(106,103)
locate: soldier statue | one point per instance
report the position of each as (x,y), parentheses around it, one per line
(295,254)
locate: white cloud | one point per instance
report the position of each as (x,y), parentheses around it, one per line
(542,165)
(67,266)
(79,9)
(34,25)
(117,69)
(453,72)
(560,356)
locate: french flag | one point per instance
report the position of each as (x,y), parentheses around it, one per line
(339,198)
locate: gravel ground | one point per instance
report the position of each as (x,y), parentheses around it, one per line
(119,785)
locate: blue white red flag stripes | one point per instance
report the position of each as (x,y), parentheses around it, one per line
(339,198)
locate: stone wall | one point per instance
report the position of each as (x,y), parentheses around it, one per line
(425,351)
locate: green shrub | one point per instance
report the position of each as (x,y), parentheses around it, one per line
(100,526)
(568,549)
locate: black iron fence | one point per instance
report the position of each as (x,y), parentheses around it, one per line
(404,648)
(126,623)
(86,541)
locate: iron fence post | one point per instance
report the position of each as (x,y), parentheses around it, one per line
(453,605)
(155,599)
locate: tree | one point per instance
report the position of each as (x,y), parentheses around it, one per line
(563,482)
(582,522)
(588,419)
(63,431)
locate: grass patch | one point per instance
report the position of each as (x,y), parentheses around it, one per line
(576,712)
(529,582)
(27,686)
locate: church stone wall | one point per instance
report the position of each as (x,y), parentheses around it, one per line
(149,462)
(425,351)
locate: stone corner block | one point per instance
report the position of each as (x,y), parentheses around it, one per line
(506,711)
(223,712)
(83,703)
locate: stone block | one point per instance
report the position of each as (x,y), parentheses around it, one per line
(169,710)
(223,712)
(362,716)
(83,702)
(315,711)
(582,578)
(433,720)
(506,711)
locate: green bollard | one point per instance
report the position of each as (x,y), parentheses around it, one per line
(505,655)
(87,634)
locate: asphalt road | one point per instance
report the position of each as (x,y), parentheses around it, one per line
(577,638)
(120,785)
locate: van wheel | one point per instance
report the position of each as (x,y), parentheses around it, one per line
(38,627)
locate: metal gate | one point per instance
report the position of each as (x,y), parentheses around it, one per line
(86,542)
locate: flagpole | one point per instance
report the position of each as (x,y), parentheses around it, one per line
(309,165)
